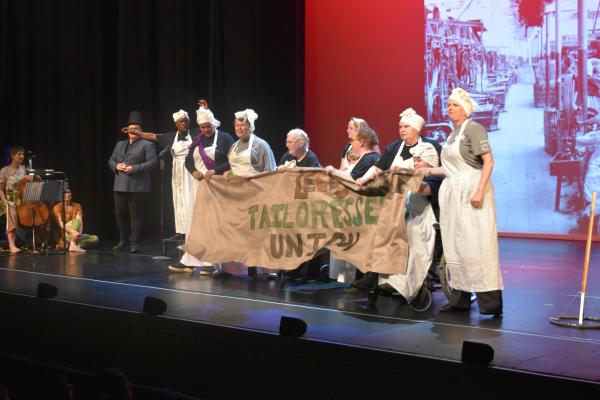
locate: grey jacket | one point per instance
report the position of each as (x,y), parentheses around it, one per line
(141,155)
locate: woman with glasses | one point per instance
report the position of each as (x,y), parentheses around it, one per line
(298,154)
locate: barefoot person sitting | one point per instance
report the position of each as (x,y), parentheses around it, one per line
(74,226)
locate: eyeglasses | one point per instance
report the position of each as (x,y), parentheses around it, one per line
(291,141)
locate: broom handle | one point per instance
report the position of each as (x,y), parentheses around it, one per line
(588,246)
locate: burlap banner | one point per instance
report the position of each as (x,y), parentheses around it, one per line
(280,219)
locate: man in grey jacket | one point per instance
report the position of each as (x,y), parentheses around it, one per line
(132,161)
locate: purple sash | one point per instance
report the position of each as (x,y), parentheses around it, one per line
(209,163)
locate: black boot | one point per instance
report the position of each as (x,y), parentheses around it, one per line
(368,282)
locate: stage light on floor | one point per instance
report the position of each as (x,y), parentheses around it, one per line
(292,327)
(46,291)
(154,306)
(476,353)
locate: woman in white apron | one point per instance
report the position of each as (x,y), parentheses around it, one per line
(182,182)
(420,231)
(421,220)
(467,212)
(363,142)
(201,171)
(206,157)
(250,155)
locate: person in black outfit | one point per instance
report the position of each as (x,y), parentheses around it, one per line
(363,145)
(361,155)
(298,154)
(176,143)
(132,161)
(398,154)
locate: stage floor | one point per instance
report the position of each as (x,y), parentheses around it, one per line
(542,279)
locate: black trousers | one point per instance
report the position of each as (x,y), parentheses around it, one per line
(491,300)
(127,210)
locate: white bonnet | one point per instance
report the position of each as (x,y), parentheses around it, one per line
(426,152)
(247,115)
(204,115)
(179,115)
(410,117)
(463,98)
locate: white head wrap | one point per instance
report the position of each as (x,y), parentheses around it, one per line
(463,98)
(410,117)
(179,115)
(247,115)
(204,115)
(426,152)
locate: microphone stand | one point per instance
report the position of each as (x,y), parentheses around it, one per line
(63,214)
(161,165)
(161,162)
(30,158)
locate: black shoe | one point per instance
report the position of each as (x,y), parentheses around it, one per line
(294,274)
(387,290)
(450,308)
(134,249)
(350,290)
(491,311)
(119,246)
(368,282)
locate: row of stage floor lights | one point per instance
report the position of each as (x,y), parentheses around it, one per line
(474,353)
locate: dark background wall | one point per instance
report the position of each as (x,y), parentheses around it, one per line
(70,72)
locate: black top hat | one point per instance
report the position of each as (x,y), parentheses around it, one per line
(135,118)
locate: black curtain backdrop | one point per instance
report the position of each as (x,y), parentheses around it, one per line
(72,70)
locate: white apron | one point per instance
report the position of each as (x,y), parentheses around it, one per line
(469,235)
(421,239)
(188,259)
(241,163)
(341,270)
(182,183)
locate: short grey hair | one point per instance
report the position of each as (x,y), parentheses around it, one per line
(301,134)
